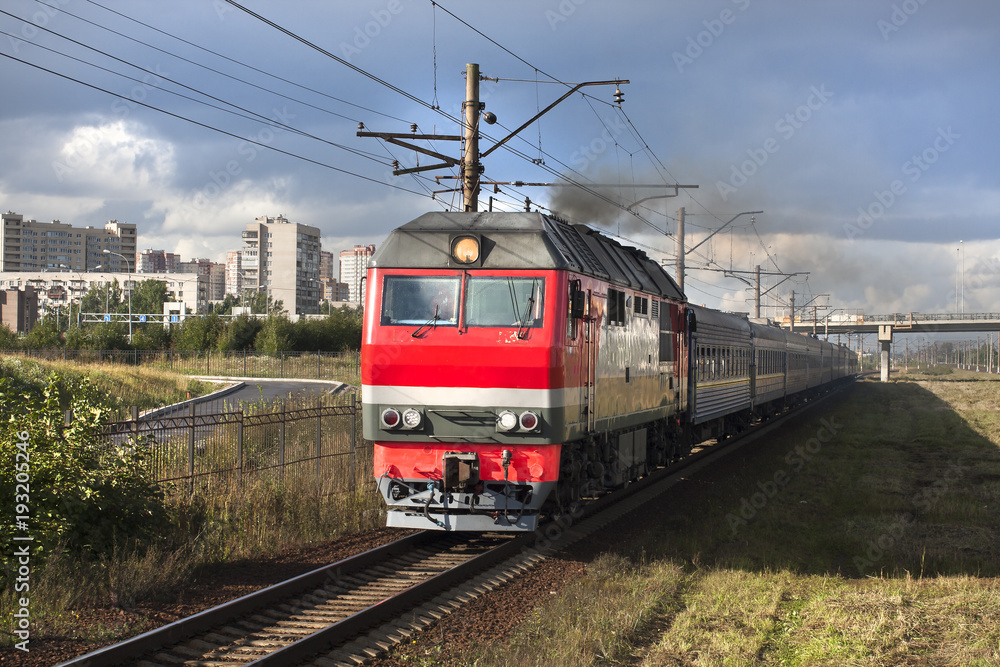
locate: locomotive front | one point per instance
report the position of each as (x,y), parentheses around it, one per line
(462,371)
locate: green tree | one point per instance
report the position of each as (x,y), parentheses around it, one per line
(102,298)
(240,333)
(76,338)
(149,297)
(44,335)
(8,339)
(108,336)
(151,336)
(89,493)
(197,334)
(225,307)
(276,335)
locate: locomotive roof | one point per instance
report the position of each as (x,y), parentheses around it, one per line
(524,241)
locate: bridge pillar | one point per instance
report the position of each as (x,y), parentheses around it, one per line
(885,338)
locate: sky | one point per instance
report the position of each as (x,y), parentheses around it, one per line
(865,131)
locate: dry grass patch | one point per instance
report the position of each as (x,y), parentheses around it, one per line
(880,548)
(595,620)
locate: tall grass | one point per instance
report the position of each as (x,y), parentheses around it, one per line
(877,548)
(222,519)
(125,386)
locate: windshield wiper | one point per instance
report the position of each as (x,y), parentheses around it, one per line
(428,325)
(523,324)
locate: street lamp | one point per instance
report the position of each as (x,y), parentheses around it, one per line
(129,268)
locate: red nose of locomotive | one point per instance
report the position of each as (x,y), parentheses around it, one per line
(458,395)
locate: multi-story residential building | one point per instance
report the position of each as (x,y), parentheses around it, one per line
(61,289)
(329,277)
(327,267)
(214,273)
(336,292)
(29,245)
(234,272)
(156,261)
(283,257)
(353,268)
(18,308)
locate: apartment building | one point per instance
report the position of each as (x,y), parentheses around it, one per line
(18,309)
(214,274)
(29,245)
(283,258)
(234,272)
(61,289)
(156,261)
(353,268)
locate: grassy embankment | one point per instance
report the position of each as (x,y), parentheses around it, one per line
(865,534)
(219,523)
(125,386)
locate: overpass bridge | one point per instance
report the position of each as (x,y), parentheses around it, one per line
(900,323)
(888,325)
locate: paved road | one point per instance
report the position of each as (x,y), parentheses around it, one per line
(252,391)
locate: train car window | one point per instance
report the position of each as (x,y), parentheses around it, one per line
(504,301)
(666,332)
(570,320)
(417,300)
(616,307)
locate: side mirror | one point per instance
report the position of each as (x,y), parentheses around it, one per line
(577,300)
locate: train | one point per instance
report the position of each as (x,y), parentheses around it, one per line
(515,363)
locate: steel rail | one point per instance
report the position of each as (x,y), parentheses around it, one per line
(395,605)
(191,626)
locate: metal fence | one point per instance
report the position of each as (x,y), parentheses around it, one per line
(319,438)
(298,365)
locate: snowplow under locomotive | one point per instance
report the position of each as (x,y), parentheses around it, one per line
(513,361)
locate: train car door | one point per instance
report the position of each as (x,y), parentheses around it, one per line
(590,344)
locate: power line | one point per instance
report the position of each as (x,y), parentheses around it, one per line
(210,127)
(232,60)
(252,114)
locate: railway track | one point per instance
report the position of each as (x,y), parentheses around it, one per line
(345,613)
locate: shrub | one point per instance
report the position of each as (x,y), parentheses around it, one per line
(83,491)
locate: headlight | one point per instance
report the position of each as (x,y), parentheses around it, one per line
(506,421)
(529,421)
(390,418)
(412,418)
(465,249)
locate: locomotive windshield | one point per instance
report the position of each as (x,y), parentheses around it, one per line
(490,301)
(421,299)
(504,302)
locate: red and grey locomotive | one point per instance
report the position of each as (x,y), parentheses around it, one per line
(512,361)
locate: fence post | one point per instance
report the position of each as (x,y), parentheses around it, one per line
(318,374)
(319,448)
(244,362)
(354,433)
(281,443)
(135,424)
(239,446)
(281,366)
(191,453)
(208,362)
